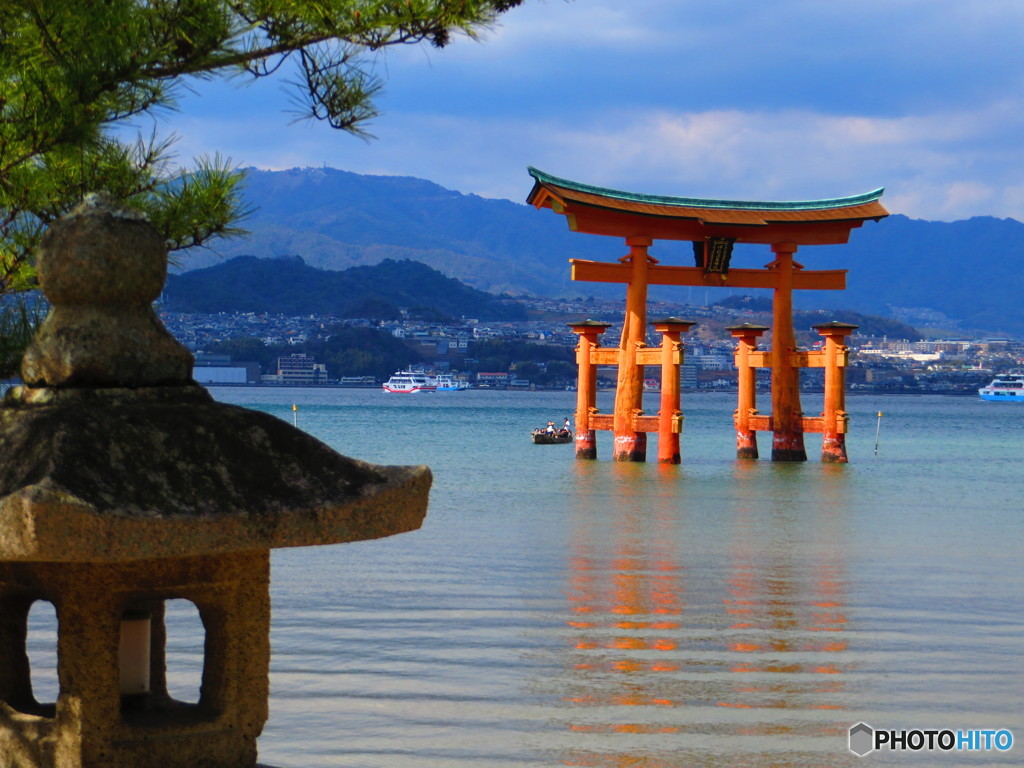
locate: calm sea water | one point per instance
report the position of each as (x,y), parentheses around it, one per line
(718,613)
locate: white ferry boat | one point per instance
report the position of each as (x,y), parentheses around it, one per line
(409,381)
(1006,387)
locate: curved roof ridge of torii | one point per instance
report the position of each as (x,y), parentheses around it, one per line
(600,211)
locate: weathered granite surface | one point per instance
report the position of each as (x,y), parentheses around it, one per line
(101,267)
(111,452)
(123,484)
(122,474)
(90,726)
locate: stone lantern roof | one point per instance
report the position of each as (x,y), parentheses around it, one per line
(113,453)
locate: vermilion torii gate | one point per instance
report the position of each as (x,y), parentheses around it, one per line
(713,226)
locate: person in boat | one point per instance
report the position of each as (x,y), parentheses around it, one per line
(565,426)
(551,428)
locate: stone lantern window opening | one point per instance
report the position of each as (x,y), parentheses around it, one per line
(162,655)
(16,676)
(185,649)
(188,649)
(41,650)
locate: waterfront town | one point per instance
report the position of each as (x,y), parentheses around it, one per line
(878,363)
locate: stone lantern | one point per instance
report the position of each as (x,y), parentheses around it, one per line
(124,485)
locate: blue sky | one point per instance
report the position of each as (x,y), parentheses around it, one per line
(739,99)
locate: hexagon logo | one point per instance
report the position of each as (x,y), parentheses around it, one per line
(862,739)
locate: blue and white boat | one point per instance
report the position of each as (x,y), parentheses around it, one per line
(447,383)
(1006,387)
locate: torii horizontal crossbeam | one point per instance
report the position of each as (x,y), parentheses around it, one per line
(658,274)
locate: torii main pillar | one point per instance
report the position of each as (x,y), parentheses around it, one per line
(631,445)
(787,415)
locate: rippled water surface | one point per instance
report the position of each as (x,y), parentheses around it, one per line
(553,612)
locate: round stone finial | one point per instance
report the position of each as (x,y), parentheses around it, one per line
(101,266)
(102,253)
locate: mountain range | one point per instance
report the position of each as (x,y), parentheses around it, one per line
(953,277)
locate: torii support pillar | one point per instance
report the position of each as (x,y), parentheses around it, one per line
(631,445)
(670,417)
(834,418)
(787,415)
(586,386)
(746,336)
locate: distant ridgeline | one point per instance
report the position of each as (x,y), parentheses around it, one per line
(958,276)
(289,286)
(867,325)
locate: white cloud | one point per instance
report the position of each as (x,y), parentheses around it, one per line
(935,166)
(941,166)
(548,26)
(797,99)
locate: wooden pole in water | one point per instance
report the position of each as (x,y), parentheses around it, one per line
(746,336)
(586,386)
(631,445)
(787,415)
(670,417)
(834,418)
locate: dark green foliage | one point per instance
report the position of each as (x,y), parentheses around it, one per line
(751,303)
(353,351)
(554,373)
(246,350)
(291,287)
(867,325)
(19,316)
(347,351)
(499,355)
(372,308)
(75,69)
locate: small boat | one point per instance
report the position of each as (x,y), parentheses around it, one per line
(447,383)
(407,382)
(543,437)
(1006,387)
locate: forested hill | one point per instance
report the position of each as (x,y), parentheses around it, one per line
(289,286)
(958,276)
(336,220)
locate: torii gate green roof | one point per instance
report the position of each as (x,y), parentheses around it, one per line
(696,202)
(601,211)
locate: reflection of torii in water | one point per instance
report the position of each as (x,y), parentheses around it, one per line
(713,226)
(669,622)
